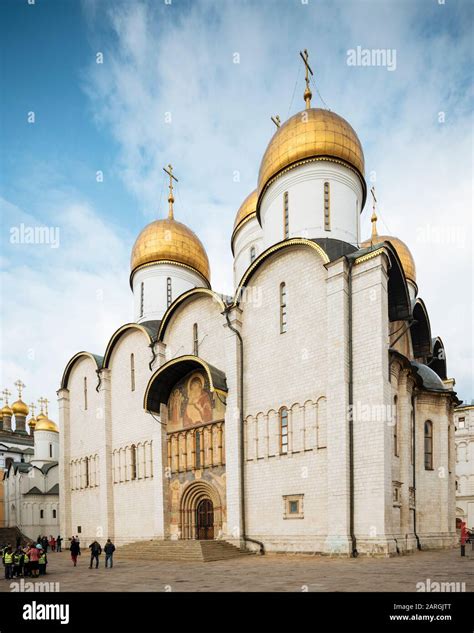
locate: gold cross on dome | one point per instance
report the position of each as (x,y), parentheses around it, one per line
(6,394)
(276,120)
(20,386)
(307,93)
(32,409)
(373,219)
(169,171)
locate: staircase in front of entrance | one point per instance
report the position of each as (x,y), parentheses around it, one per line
(182,550)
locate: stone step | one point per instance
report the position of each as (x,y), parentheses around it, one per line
(192,550)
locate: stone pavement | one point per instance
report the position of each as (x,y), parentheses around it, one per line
(272,572)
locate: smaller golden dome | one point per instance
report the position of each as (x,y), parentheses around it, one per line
(32,423)
(170,241)
(6,410)
(403,252)
(247,211)
(41,416)
(20,408)
(45,424)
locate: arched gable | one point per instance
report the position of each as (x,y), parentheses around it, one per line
(117,335)
(97,360)
(184,299)
(420,330)
(290,243)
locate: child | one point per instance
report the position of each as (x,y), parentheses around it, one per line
(42,562)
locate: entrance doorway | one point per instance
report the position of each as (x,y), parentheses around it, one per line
(205,520)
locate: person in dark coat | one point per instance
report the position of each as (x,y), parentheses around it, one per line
(109,549)
(59,541)
(96,551)
(75,551)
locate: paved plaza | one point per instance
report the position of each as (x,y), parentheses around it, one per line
(272,572)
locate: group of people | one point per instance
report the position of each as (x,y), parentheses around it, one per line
(24,561)
(55,544)
(96,551)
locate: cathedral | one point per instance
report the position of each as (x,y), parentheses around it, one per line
(309,412)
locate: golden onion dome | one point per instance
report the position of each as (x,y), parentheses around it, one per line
(247,211)
(41,416)
(45,424)
(310,134)
(6,410)
(403,252)
(170,241)
(32,423)
(20,408)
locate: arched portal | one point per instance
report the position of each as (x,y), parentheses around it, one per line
(200,511)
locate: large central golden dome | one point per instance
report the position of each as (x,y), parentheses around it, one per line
(312,133)
(169,241)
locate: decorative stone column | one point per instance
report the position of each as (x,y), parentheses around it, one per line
(65,526)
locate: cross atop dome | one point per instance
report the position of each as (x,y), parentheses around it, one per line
(169,171)
(373,219)
(307,93)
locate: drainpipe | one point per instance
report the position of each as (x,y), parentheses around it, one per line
(244,537)
(354,552)
(413,398)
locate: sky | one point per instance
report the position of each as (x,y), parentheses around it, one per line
(194,83)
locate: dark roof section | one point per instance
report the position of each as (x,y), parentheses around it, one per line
(438,358)
(399,304)
(163,380)
(54,490)
(152,327)
(335,249)
(421,330)
(34,491)
(13,438)
(430,379)
(47,467)
(67,372)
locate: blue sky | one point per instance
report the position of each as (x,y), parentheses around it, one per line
(179,59)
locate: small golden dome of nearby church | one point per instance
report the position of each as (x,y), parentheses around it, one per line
(312,133)
(403,252)
(32,423)
(20,408)
(170,241)
(6,410)
(247,210)
(45,424)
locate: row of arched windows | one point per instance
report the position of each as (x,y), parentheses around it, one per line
(133,462)
(84,472)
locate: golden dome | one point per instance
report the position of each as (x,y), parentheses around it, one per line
(403,252)
(20,408)
(308,134)
(247,210)
(6,410)
(45,424)
(169,241)
(41,416)
(32,423)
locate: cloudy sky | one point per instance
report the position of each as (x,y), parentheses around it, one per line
(194,84)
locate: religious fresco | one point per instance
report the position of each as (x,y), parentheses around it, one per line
(191,403)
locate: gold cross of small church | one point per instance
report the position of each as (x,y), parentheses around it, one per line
(169,171)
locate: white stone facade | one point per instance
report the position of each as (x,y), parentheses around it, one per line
(464,422)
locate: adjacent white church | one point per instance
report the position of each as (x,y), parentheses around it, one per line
(310,412)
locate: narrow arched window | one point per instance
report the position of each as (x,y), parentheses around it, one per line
(133,462)
(282,308)
(253,254)
(395,426)
(286,216)
(327,207)
(86,472)
(142,297)
(168,292)
(195,340)
(50,450)
(132,372)
(428,445)
(85,393)
(284,430)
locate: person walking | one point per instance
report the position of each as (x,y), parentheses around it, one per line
(109,549)
(75,550)
(8,562)
(59,541)
(96,551)
(44,543)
